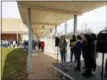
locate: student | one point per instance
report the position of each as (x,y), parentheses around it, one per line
(87,48)
(42,46)
(94,53)
(106,68)
(56,40)
(72,48)
(34,44)
(39,45)
(62,47)
(14,43)
(78,48)
(25,45)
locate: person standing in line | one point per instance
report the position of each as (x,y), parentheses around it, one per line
(39,45)
(11,43)
(94,52)
(14,43)
(33,44)
(78,48)
(87,48)
(72,48)
(63,48)
(7,43)
(106,68)
(42,46)
(24,45)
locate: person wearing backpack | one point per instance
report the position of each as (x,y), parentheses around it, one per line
(72,48)
(87,51)
(78,48)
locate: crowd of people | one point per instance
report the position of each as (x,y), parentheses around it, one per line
(24,44)
(35,44)
(84,46)
(9,43)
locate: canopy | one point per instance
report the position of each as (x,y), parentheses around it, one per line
(46,14)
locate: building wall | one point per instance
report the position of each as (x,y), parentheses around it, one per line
(24,37)
(9,36)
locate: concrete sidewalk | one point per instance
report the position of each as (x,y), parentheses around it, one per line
(41,67)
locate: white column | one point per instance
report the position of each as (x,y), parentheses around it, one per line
(55,30)
(17,37)
(29,59)
(65,28)
(56,47)
(75,24)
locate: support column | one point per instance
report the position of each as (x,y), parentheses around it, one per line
(17,37)
(29,59)
(65,28)
(65,37)
(85,27)
(56,47)
(75,24)
(55,30)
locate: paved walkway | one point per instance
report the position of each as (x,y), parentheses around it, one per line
(41,64)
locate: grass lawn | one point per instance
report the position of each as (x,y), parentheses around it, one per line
(13,63)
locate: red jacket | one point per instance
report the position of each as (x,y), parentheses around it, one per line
(42,44)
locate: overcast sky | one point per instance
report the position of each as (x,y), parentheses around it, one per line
(95,20)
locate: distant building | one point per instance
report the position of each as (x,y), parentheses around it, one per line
(13,29)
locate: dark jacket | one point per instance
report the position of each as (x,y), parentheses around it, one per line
(78,47)
(87,49)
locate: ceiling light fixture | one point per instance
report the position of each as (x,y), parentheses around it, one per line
(43,26)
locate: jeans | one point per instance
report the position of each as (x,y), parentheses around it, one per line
(63,57)
(72,53)
(78,56)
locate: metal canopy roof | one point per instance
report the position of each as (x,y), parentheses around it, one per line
(49,14)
